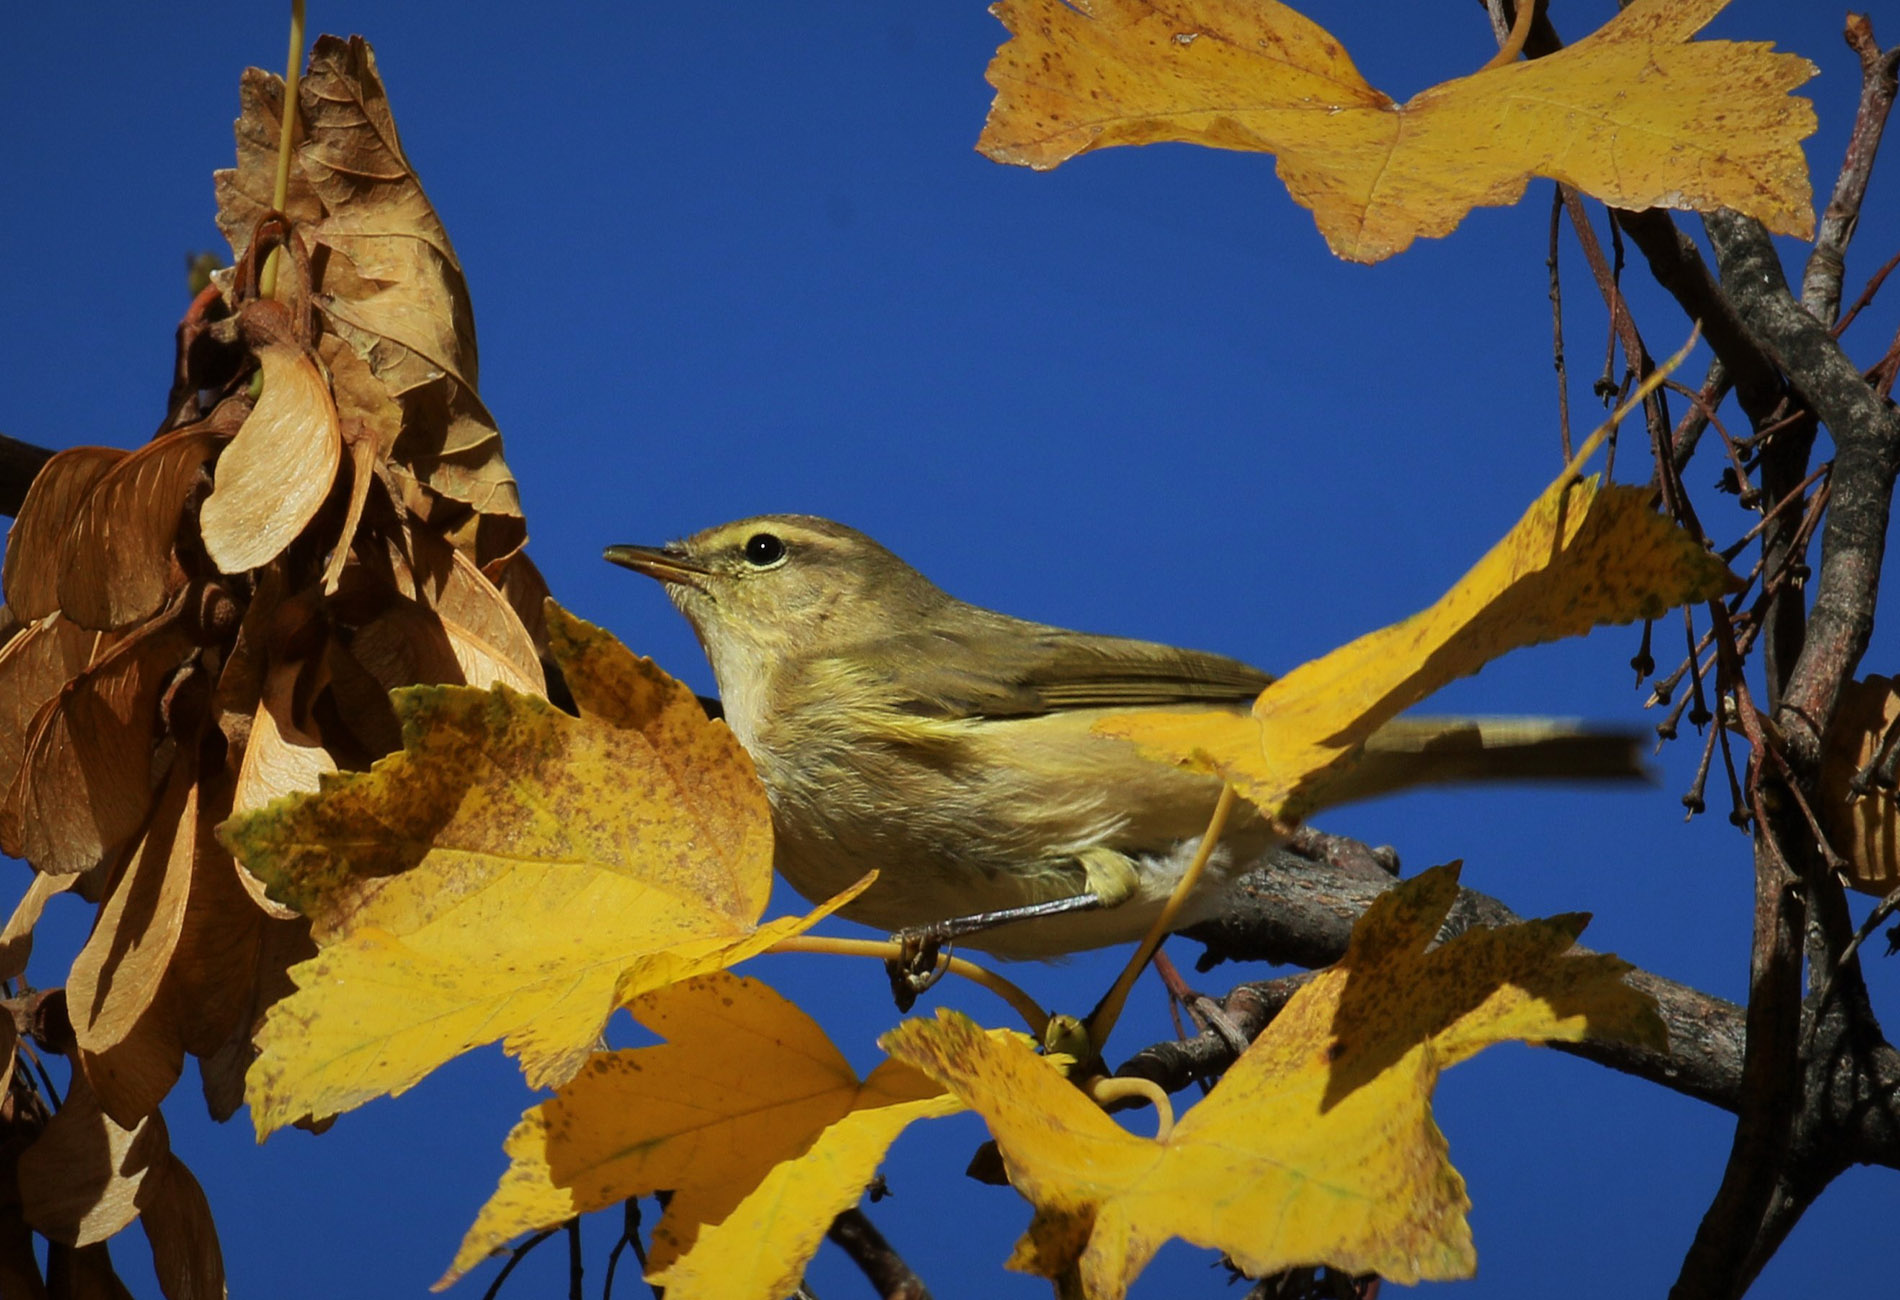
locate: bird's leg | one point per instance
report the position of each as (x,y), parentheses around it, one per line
(1108,878)
(920,966)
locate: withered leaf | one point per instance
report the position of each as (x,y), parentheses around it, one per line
(86,781)
(36,544)
(19,1262)
(9,1045)
(377,216)
(281,944)
(362,400)
(16,941)
(79,1181)
(117,567)
(276,473)
(34,665)
(117,977)
(83,1273)
(244,192)
(177,1221)
(280,757)
(440,620)
(391,287)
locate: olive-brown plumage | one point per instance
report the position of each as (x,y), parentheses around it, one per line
(951,748)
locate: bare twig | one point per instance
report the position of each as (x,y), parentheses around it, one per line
(574,1259)
(629,1238)
(1866,294)
(515,1256)
(1557,323)
(1821,283)
(883,1267)
(20,463)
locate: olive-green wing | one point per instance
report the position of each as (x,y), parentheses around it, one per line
(1005,668)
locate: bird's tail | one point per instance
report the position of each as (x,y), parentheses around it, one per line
(1412,751)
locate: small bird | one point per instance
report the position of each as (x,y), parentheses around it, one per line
(951,747)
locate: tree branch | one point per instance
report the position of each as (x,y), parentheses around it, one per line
(1866,434)
(20,464)
(855,1234)
(1821,283)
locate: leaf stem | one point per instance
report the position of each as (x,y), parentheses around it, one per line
(885,950)
(287,130)
(1105,1089)
(1101,1022)
(1514,43)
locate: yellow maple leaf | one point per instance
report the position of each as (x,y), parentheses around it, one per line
(514,873)
(1637,114)
(1318,1146)
(747,1112)
(1584,554)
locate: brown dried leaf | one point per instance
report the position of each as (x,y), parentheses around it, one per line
(16,941)
(450,442)
(371,422)
(9,1045)
(244,193)
(19,1264)
(274,476)
(353,711)
(202,993)
(1865,829)
(83,1273)
(378,217)
(36,544)
(280,757)
(411,318)
(117,568)
(280,945)
(34,665)
(86,781)
(80,1179)
(177,1221)
(362,400)
(390,287)
(490,642)
(527,593)
(445,623)
(362,474)
(117,977)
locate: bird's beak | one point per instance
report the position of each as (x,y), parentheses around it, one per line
(660,563)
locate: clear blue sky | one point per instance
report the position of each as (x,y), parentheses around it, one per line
(732,258)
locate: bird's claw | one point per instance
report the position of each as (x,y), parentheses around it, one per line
(922,961)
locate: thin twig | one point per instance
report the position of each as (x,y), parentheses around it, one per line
(1882,910)
(1799,492)
(515,1256)
(1557,323)
(574,1259)
(1866,295)
(892,1278)
(1821,282)
(629,1236)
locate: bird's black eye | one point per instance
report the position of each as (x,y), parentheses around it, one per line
(763,549)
